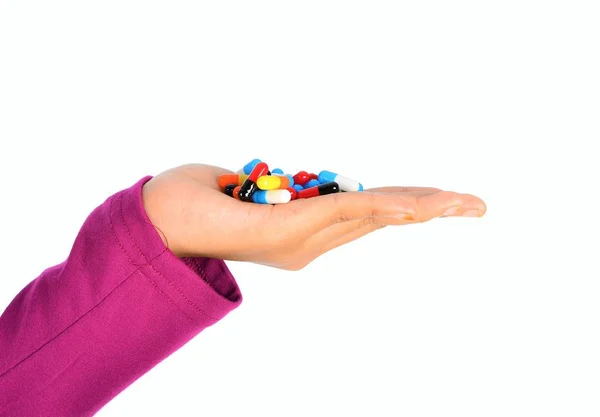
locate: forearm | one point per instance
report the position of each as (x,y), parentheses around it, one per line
(87,328)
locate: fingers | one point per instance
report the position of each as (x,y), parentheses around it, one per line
(409,190)
(446,203)
(318,213)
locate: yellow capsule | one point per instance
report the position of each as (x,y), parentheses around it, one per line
(273,182)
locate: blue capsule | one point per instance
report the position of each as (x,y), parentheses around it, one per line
(312,183)
(250,166)
(291,179)
(346,184)
(298,187)
(277,171)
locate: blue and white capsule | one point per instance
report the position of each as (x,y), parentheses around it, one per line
(272,196)
(346,184)
(277,171)
(247,169)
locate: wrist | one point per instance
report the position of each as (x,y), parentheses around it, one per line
(152,206)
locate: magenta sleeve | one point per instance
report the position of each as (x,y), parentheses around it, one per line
(86,329)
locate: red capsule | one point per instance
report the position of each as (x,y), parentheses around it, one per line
(313,177)
(259,170)
(301,178)
(322,189)
(293,192)
(236,192)
(249,186)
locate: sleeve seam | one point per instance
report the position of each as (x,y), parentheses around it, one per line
(81,316)
(89,310)
(156,271)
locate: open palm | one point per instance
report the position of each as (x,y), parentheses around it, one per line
(195,218)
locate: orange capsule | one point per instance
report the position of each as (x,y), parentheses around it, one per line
(225,179)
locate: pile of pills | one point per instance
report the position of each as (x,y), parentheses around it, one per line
(255,183)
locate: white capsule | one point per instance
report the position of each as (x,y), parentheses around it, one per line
(272,197)
(346,184)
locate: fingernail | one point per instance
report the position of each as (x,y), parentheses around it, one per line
(452,211)
(472,213)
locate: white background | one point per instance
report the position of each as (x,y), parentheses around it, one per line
(497,316)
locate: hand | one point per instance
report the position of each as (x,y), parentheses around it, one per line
(195,218)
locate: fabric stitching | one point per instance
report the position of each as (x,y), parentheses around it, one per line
(157,271)
(91,308)
(57,335)
(142,265)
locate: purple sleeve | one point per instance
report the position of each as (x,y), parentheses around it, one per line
(86,329)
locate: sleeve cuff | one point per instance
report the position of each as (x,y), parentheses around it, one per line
(202,288)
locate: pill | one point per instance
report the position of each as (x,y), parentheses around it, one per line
(312,183)
(237,179)
(321,189)
(249,185)
(247,169)
(313,176)
(229,189)
(236,192)
(277,171)
(273,182)
(301,178)
(346,184)
(272,196)
(293,192)
(298,187)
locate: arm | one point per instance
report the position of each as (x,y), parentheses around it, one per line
(86,329)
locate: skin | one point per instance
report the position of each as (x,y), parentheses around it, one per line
(195,218)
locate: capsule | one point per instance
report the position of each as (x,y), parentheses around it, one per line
(272,196)
(237,179)
(312,183)
(301,178)
(236,192)
(298,187)
(293,192)
(247,169)
(277,171)
(229,189)
(274,182)
(313,176)
(249,185)
(346,184)
(321,189)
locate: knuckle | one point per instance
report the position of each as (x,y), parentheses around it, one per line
(367,221)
